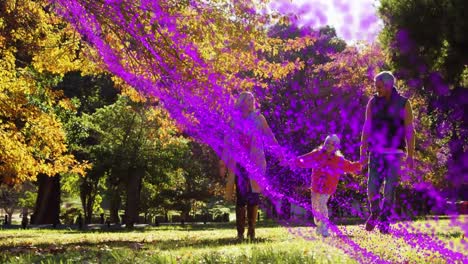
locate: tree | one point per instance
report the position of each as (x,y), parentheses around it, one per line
(352,71)
(133,141)
(182,52)
(426,43)
(88,93)
(200,180)
(189,55)
(36,47)
(16,197)
(9,197)
(415,49)
(305,106)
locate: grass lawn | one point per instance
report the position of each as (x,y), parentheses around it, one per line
(215,243)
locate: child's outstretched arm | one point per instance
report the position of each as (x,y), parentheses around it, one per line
(351,167)
(305,161)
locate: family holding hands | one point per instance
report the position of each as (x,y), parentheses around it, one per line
(387,137)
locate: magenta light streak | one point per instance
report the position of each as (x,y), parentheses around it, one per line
(182,97)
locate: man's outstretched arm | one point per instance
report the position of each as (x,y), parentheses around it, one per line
(409,134)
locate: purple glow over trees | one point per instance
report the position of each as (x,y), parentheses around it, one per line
(195,57)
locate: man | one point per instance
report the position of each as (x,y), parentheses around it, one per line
(388,133)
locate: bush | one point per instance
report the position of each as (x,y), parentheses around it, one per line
(69,215)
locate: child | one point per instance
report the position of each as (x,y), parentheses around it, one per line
(328,164)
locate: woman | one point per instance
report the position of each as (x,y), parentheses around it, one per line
(249,135)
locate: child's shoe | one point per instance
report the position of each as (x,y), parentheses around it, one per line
(384,228)
(318,229)
(322,230)
(371,222)
(325,232)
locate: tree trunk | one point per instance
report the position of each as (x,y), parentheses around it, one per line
(133,196)
(47,209)
(86,201)
(285,209)
(455,175)
(183,216)
(9,212)
(115,203)
(89,209)
(10,216)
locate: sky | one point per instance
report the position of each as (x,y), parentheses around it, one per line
(353,20)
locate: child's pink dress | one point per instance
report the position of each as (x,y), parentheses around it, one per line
(327,169)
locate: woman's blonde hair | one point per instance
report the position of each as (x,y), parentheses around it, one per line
(242,97)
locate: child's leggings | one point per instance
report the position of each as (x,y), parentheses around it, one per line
(319,207)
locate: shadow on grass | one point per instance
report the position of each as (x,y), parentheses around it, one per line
(133,245)
(163,227)
(449,235)
(145,228)
(2,237)
(102,228)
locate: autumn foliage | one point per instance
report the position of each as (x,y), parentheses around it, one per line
(35,47)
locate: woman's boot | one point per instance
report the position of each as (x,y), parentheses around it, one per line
(252,220)
(240,221)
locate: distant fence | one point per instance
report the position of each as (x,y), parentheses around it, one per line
(160,219)
(459,207)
